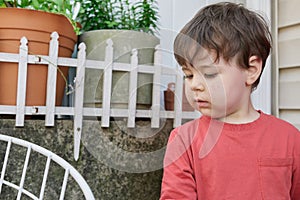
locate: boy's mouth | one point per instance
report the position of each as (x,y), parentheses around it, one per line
(202,103)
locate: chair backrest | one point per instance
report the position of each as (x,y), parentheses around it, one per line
(38,158)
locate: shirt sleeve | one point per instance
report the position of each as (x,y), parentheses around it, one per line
(178,177)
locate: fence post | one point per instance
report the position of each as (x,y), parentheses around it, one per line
(107,84)
(133,89)
(22,82)
(51,79)
(178,99)
(155,117)
(79,92)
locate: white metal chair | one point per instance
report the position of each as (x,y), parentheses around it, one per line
(69,171)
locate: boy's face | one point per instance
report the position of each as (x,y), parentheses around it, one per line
(217,89)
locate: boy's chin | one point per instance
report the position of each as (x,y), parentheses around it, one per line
(213,114)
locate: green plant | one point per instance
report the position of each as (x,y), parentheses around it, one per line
(139,15)
(64,7)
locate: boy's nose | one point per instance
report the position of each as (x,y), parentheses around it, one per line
(198,83)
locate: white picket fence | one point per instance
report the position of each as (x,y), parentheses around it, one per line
(78,111)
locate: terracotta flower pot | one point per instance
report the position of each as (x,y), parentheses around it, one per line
(37,27)
(169,99)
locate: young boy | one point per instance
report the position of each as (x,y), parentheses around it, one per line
(233,151)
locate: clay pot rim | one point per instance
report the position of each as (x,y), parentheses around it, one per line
(30,13)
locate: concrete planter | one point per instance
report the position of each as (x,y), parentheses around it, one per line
(106,181)
(123,43)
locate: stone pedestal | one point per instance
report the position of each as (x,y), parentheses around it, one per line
(118,163)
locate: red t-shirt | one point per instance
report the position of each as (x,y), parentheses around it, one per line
(210,160)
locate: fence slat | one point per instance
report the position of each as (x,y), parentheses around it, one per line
(133,89)
(107,84)
(79,92)
(156,88)
(22,82)
(178,99)
(51,80)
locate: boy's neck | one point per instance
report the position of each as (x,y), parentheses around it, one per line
(247,115)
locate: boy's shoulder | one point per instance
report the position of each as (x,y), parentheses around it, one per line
(276,123)
(186,131)
(266,122)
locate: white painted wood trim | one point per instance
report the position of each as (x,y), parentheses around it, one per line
(178,98)
(22,82)
(132,89)
(79,92)
(51,79)
(156,88)
(275,71)
(107,84)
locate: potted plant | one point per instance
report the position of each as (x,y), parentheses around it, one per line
(36,20)
(130,25)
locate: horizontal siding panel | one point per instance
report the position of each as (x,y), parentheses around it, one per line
(289,61)
(292,116)
(288,53)
(288,11)
(289,88)
(289,95)
(287,75)
(287,33)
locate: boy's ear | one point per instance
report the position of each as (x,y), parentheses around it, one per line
(254,70)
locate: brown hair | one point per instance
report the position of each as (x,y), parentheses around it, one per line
(227,29)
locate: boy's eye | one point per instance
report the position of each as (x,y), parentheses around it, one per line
(188,76)
(210,75)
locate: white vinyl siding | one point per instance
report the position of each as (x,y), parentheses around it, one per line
(288,70)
